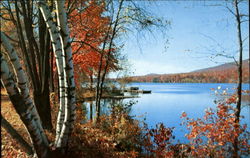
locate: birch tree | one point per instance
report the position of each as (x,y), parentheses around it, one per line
(22,83)
(67,94)
(14,134)
(25,28)
(64,29)
(20,95)
(24,110)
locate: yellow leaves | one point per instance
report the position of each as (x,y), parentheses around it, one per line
(10,148)
(50,3)
(104,137)
(54,11)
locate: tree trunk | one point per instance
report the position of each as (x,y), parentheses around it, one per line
(70,107)
(42,101)
(21,79)
(52,86)
(107,60)
(91,111)
(98,95)
(35,57)
(58,47)
(26,111)
(239,87)
(91,82)
(42,95)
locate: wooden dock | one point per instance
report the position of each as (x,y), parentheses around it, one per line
(138,91)
(106,97)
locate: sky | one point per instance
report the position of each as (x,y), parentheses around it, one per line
(197,31)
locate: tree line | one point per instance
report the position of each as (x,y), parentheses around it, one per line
(228,75)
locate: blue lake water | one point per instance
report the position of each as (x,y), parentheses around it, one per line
(168,100)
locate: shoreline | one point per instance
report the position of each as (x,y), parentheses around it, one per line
(92,98)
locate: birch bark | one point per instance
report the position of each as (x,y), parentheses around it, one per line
(22,84)
(70,107)
(57,44)
(22,109)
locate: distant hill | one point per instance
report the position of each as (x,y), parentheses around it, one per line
(225,73)
(222,67)
(151,74)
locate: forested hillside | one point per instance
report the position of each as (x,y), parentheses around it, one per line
(226,73)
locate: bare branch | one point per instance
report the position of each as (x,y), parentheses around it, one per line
(82,43)
(11,38)
(242,21)
(230,10)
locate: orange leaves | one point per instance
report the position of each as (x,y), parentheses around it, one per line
(110,137)
(89,30)
(184,114)
(231,100)
(88,25)
(158,141)
(215,134)
(11,151)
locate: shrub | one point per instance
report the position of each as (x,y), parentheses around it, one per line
(214,135)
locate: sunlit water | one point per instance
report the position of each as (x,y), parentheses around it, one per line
(168,100)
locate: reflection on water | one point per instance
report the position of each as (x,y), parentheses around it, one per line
(168,101)
(108,106)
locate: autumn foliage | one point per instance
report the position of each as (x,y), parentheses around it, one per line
(214,75)
(158,141)
(89,31)
(118,135)
(214,135)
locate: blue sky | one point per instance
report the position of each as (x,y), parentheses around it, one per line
(197,31)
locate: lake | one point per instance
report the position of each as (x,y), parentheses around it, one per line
(168,100)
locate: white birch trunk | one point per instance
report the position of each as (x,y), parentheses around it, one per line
(57,44)
(70,108)
(22,109)
(22,84)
